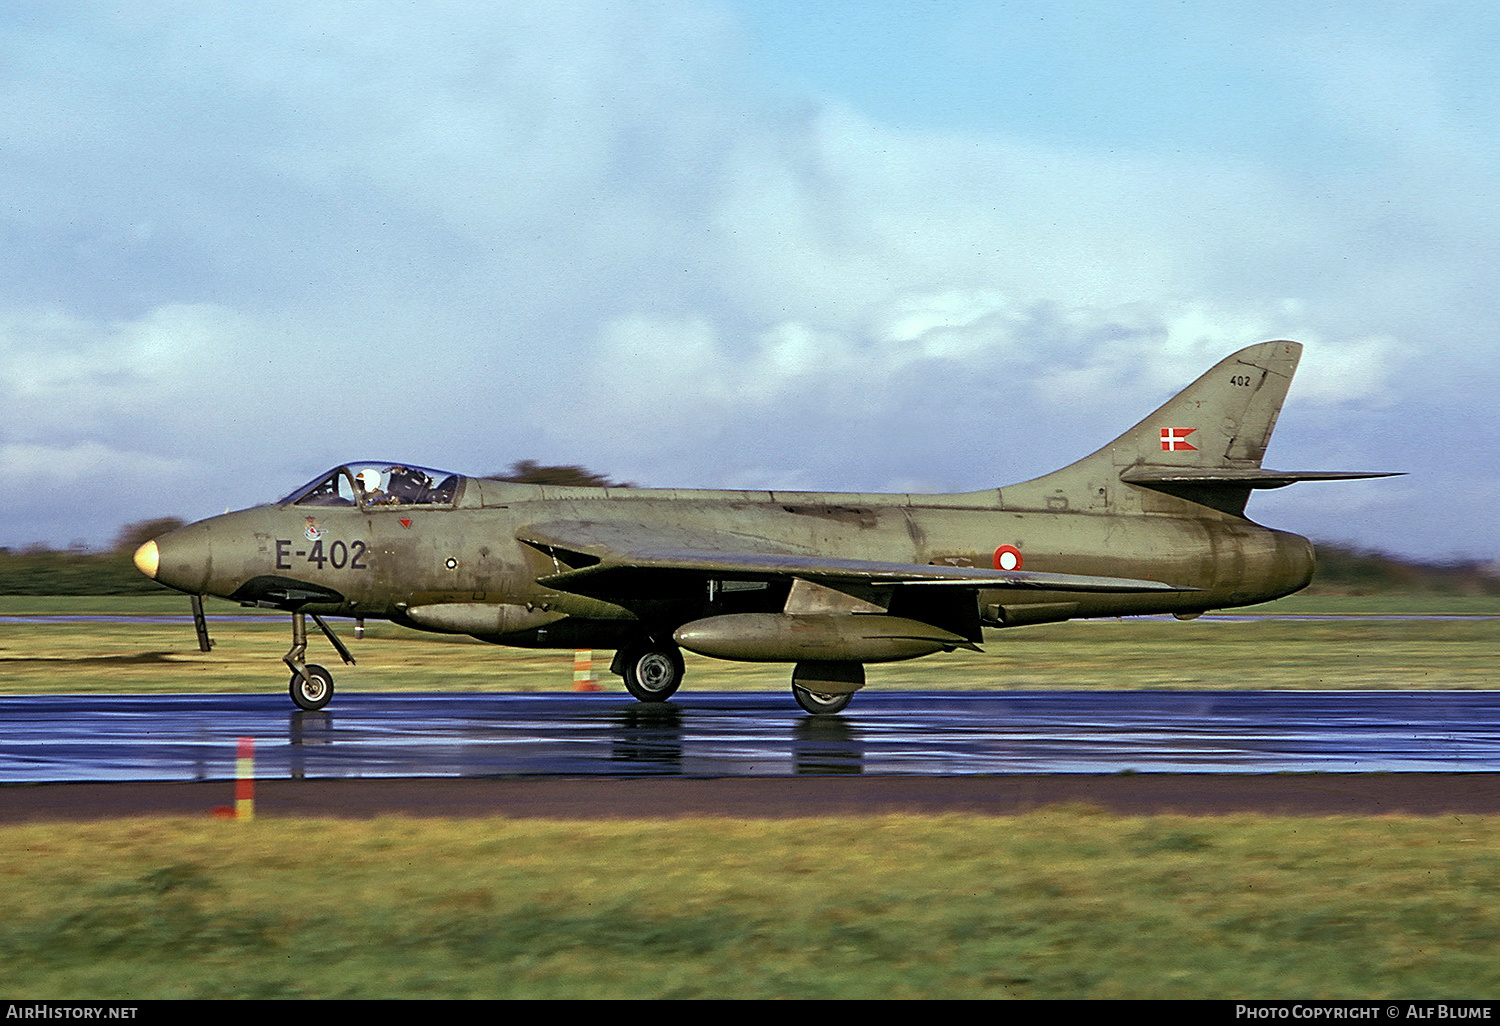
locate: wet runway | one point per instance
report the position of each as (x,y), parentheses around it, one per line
(193,737)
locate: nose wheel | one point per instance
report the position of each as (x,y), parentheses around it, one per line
(313,691)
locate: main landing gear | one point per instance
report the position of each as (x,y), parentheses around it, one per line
(821,703)
(652,671)
(822,688)
(312,685)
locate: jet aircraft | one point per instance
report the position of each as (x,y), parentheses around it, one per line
(1154,522)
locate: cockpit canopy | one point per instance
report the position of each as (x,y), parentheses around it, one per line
(378,484)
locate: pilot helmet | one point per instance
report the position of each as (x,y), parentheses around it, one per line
(369,479)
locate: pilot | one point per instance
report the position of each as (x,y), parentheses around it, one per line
(369,483)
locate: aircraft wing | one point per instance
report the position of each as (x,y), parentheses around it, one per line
(623,557)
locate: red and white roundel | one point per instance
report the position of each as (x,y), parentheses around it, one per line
(1007,557)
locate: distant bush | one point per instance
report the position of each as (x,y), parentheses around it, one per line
(37,570)
(1347,570)
(532,472)
(50,572)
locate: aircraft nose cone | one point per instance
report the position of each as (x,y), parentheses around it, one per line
(181,559)
(148,559)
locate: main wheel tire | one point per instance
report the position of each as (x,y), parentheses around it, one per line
(315,690)
(653,672)
(820,704)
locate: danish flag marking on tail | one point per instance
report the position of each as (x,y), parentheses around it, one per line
(1175,440)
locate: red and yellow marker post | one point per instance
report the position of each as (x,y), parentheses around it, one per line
(244,780)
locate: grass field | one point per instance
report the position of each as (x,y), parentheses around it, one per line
(1060,903)
(1346,652)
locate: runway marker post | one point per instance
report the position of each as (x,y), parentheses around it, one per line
(583,670)
(244,783)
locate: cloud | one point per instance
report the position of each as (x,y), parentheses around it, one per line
(49,466)
(62,375)
(1085,354)
(250,240)
(67,485)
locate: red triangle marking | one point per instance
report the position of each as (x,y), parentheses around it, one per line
(405,521)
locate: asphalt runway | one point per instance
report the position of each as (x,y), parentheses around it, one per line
(194,737)
(530,754)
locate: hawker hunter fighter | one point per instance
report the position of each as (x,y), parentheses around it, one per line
(1154,522)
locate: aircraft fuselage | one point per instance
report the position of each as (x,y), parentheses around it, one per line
(385,562)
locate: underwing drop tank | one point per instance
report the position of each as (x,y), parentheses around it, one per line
(794,637)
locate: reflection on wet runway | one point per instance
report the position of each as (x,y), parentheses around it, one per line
(193,737)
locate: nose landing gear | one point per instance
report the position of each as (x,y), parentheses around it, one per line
(311,687)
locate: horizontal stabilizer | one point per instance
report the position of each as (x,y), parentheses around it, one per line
(1246,477)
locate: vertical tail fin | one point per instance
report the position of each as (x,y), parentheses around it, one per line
(1205,444)
(1221,421)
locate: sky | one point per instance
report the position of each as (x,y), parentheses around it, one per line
(864,246)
